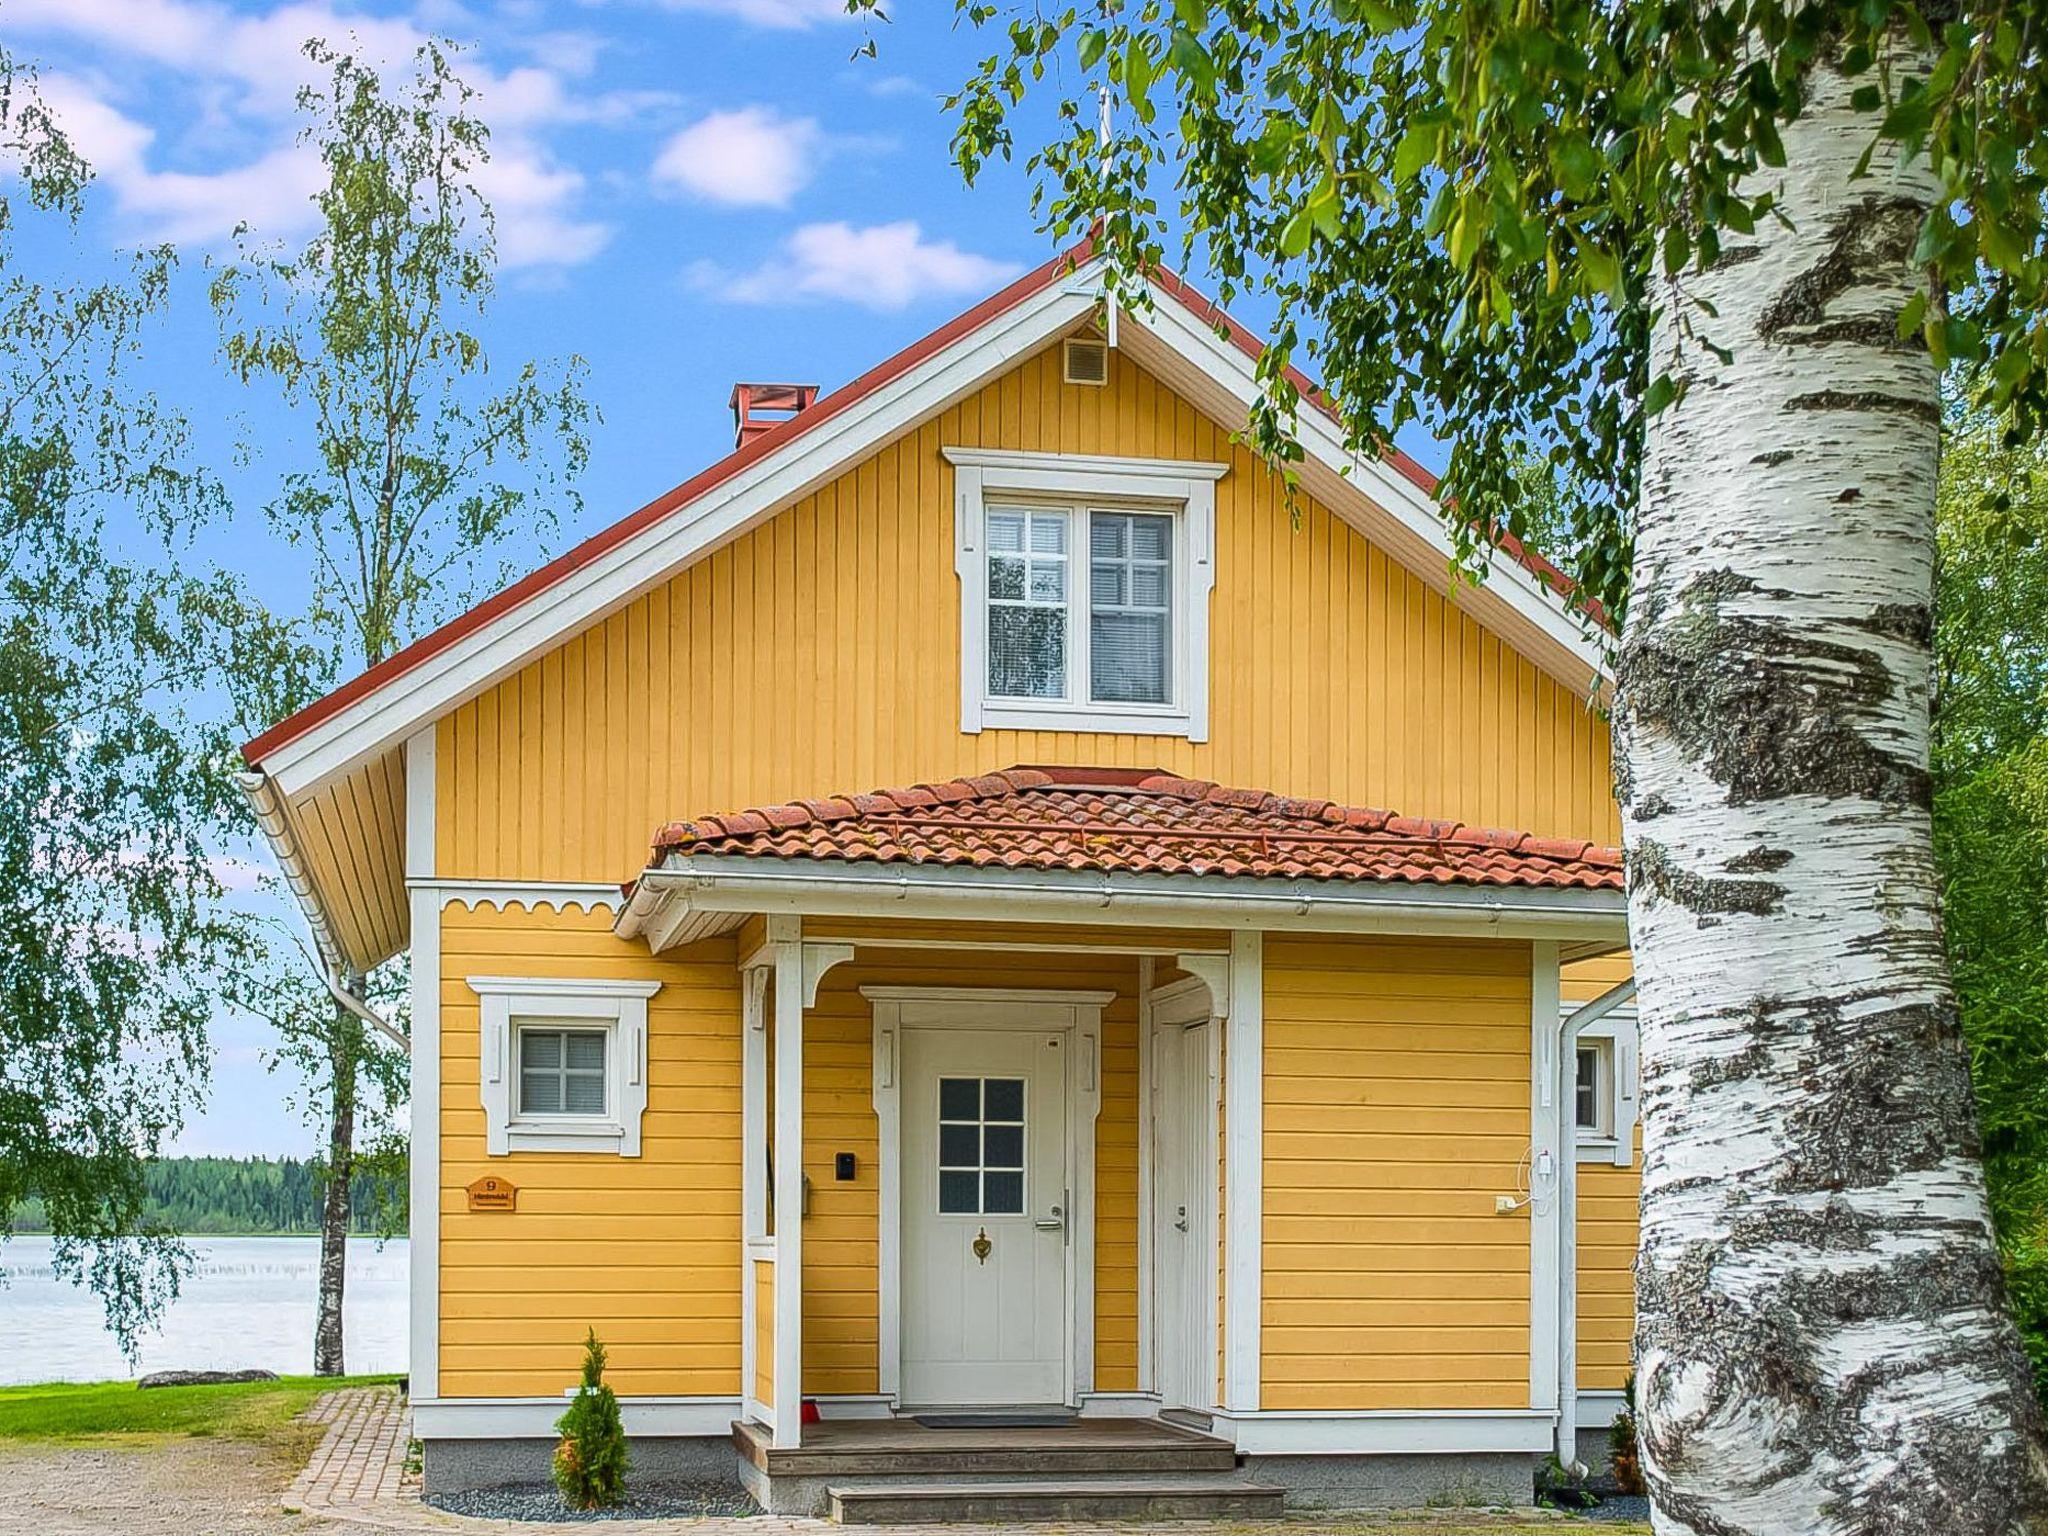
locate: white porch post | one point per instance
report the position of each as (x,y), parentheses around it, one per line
(785,944)
(1244,1116)
(753,1161)
(1548,1159)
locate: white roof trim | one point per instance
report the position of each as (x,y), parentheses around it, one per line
(1170,340)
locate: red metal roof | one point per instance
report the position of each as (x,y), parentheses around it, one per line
(1140,821)
(773,439)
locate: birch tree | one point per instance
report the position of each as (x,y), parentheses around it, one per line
(1706,262)
(421,465)
(115,806)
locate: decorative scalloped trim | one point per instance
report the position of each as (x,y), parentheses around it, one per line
(532,895)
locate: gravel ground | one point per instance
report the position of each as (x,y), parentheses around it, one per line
(195,1487)
(540,1502)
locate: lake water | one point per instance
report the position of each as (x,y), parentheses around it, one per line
(247,1303)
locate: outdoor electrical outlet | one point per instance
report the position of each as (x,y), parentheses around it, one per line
(1504,1205)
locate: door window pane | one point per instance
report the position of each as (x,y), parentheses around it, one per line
(562,1071)
(981,1146)
(1130,613)
(1027,604)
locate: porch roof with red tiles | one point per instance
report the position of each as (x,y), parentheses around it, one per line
(1139,821)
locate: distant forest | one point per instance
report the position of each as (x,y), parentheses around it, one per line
(249,1196)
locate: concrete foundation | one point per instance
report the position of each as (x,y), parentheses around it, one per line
(1394,1482)
(458,1466)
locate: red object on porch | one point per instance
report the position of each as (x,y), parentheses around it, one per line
(1140,821)
(810,1414)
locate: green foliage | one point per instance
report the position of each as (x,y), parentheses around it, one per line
(116,799)
(250,1196)
(1991,822)
(245,1410)
(421,464)
(591,1460)
(1468,214)
(1624,1456)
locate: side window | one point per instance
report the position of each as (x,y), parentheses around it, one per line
(1595,1096)
(562,1071)
(562,1064)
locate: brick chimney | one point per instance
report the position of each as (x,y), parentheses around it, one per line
(780,401)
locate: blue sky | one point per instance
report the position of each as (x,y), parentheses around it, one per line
(688,193)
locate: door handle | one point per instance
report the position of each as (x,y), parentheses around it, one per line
(1056,1222)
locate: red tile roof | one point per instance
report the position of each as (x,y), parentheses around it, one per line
(1140,821)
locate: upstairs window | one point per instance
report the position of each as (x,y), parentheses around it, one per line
(1085,588)
(1124,652)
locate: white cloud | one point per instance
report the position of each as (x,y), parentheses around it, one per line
(752,157)
(780,15)
(249,69)
(881,266)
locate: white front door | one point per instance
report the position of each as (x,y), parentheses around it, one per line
(1183,1259)
(985,1217)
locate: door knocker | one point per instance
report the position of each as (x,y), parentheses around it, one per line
(982,1246)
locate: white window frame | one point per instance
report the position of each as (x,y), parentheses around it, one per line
(1615,1038)
(985,479)
(506,1004)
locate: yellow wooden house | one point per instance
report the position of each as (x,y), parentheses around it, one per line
(900,947)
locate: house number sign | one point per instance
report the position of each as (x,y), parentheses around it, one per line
(493,1193)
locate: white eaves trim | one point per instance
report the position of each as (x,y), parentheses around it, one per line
(671,901)
(465,668)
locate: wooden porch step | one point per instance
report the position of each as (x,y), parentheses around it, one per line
(844,1450)
(1114,1498)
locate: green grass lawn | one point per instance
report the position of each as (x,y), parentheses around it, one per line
(251,1410)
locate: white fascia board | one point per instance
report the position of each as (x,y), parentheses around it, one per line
(1371,495)
(465,668)
(533,1418)
(1386,1432)
(711,883)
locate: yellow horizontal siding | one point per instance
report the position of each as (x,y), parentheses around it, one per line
(642,1249)
(820,653)
(841,1285)
(764,1332)
(1394,1067)
(1608,1199)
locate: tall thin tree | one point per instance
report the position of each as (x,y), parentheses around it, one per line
(1706,261)
(421,466)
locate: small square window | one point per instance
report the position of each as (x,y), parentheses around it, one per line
(561,1071)
(981,1146)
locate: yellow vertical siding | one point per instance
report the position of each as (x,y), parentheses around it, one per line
(820,653)
(645,1250)
(1396,1109)
(1608,1201)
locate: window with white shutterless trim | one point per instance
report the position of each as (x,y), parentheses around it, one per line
(1085,584)
(562,1063)
(1604,1099)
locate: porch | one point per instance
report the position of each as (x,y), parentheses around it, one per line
(1028,1150)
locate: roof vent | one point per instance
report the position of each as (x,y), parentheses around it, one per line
(1087,361)
(781,402)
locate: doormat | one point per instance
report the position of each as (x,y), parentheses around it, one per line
(995,1420)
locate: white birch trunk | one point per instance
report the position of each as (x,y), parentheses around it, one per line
(1822,1341)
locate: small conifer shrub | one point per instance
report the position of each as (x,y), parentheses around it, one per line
(1621,1443)
(590,1461)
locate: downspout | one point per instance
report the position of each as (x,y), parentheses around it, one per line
(1567,1141)
(326,956)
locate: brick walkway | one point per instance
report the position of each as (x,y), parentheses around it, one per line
(358,1475)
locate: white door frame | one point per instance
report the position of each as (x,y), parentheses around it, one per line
(1075,1014)
(1179,1006)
